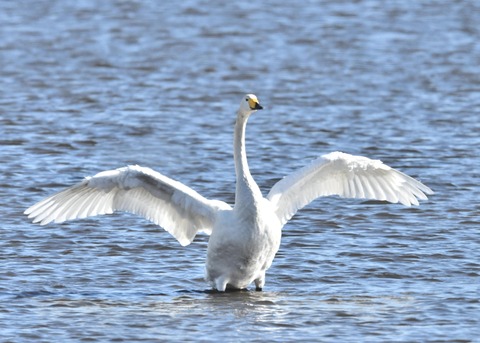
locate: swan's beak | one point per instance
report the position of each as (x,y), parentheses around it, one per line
(254,105)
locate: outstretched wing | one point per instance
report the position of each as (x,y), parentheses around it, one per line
(175,207)
(346,176)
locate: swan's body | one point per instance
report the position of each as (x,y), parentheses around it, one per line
(244,239)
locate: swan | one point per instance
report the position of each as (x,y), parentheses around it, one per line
(244,238)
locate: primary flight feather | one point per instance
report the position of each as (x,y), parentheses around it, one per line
(244,238)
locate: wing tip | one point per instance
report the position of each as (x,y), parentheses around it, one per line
(184,242)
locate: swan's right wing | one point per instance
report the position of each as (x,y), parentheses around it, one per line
(168,203)
(347,176)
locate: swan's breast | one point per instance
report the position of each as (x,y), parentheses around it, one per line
(243,246)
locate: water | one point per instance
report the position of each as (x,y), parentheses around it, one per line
(88,86)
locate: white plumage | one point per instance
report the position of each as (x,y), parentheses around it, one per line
(244,239)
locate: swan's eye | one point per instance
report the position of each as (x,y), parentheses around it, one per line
(246,99)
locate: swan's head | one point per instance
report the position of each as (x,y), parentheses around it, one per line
(250,104)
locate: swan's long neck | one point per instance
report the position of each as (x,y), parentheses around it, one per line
(247,190)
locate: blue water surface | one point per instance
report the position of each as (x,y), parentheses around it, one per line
(93,85)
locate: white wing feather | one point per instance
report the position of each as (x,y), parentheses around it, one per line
(347,176)
(168,203)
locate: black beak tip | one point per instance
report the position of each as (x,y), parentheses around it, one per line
(258,107)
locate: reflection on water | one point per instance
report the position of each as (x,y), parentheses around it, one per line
(89,86)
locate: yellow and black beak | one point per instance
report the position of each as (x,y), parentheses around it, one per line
(254,105)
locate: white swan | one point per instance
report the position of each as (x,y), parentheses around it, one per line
(244,239)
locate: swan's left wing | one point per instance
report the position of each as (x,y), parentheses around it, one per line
(347,176)
(172,205)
